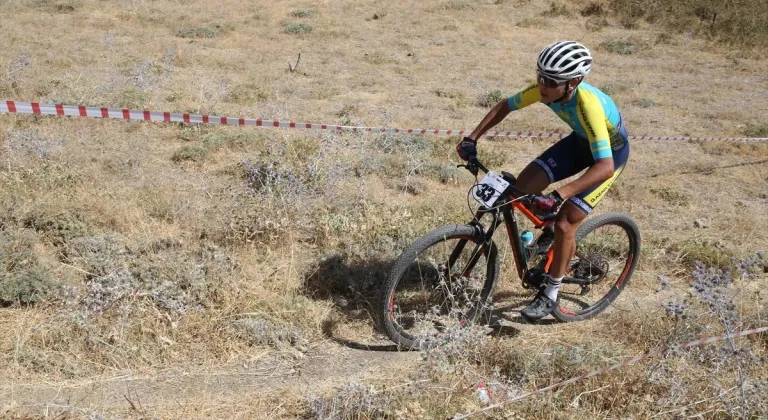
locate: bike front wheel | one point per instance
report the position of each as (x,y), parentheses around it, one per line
(442,283)
(607,251)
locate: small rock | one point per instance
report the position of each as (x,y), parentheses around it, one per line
(376,16)
(410,54)
(700,223)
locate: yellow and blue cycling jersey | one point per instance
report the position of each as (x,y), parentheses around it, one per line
(590,113)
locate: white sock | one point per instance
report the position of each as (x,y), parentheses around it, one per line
(553,286)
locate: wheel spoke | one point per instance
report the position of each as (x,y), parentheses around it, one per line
(601,263)
(440,291)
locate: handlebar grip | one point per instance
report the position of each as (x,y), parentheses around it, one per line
(476,163)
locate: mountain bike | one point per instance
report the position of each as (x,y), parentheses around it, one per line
(446,279)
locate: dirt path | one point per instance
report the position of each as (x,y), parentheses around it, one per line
(327,366)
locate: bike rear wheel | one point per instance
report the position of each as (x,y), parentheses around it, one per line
(441,284)
(607,251)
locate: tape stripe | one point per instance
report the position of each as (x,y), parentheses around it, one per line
(145,115)
(615,366)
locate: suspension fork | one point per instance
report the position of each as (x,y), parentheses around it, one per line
(479,248)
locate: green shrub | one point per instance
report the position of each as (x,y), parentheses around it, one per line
(302,13)
(756,130)
(417,146)
(644,102)
(495,158)
(665,38)
(533,23)
(237,140)
(55,225)
(24,279)
(457,5)
(296,28)
(704,252)
(557,9)
(444,173)
(459,103)
(32,285)
(620,46)
(612,88)
(174,97)
(445,93)
(248,93)
(201,32)
(671,196)
(131,98)
(491,98)
(57,6)
(594,9)
(189,153)
(596,23)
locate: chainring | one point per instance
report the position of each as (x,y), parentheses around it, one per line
(533,278)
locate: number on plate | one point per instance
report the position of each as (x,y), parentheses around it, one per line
(489,189)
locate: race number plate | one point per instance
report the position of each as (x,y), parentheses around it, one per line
(489,189)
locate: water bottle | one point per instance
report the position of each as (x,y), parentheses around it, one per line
(526,237)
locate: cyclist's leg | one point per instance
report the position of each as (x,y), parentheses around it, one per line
(532,179)
(575,210)
(559,163)
(588,199)
(568,220)
(555,164)
(565,158)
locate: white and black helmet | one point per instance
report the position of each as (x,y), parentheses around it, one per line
(564,60)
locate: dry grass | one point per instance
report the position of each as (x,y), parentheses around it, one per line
(142,260)
(742,22)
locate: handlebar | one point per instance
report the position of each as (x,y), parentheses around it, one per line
(473,165)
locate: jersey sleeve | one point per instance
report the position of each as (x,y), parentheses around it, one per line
(592,118)
(525,97)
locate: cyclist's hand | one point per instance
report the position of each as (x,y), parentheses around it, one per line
(467,149)
(544,205)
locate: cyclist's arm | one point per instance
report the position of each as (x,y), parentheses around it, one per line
(522,99)
(592,118)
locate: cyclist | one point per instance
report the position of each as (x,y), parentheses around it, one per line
(598,144)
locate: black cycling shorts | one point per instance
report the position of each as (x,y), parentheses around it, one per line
(571,155)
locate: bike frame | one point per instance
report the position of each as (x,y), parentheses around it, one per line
(507,204)
(509,218)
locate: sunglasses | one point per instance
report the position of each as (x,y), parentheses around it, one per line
(547,82)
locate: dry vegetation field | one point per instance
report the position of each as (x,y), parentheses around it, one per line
(163,271)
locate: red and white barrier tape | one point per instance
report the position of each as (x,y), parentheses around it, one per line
(132,114)
(621,364)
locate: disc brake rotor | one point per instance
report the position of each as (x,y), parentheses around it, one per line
(592,268)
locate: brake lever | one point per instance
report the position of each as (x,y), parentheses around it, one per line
(476,164)
(470,167)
